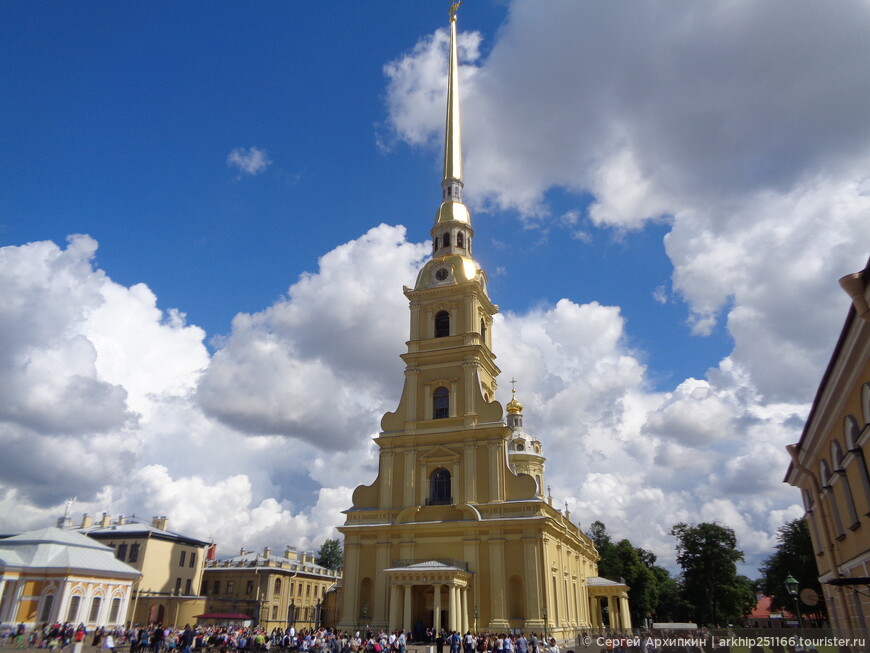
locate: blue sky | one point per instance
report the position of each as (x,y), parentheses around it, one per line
(660,193)
(124,116)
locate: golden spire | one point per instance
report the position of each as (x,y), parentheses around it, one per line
(452,140)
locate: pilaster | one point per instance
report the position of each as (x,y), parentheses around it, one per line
(499,618)
(382,559)
(470,475)
(410,485)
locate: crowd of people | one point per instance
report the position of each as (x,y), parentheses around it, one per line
(224,639)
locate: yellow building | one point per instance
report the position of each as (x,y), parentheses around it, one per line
(171,566)
(274,591)
(53,575)
(830,466)
(455,532)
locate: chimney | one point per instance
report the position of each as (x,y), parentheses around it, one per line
(242,551)
(289,552)
(161,522)
(266,552)
(105,521)
(122,520)
(87,521)
(64,522)
(210,553)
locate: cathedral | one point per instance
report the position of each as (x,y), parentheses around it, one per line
(456,531)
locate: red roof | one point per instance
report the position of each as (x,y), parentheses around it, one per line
(762,609)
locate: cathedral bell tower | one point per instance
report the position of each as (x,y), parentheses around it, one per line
(454,532)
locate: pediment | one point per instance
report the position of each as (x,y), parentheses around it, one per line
(439,453)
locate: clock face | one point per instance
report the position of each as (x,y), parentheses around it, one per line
(441,274)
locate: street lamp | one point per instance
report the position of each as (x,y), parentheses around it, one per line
(791,586)
(544,609)
(365,613)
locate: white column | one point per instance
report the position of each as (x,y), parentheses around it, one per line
(2,590)
(464,614)
(437,604)
(626,615)
(395,599)
(451,606)
(63,601)
(10,610)
(406,617)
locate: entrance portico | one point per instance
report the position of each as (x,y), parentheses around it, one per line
(431,592)
(613,595)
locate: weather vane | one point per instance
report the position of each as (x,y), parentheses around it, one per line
(454,7)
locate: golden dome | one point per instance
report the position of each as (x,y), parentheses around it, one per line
(514,407)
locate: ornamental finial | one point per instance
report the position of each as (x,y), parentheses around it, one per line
(454,7)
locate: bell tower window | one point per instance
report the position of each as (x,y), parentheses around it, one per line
(460,239)
(439,488)
(441,403)
(442,324)
(445,240)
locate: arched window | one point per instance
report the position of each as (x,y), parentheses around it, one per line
(460,239)
(47,603)
(434,244)
(114,611)
(824,472)
(277,591)
(440,403)
(836,454)
(442,324)
(851,431)
(439,488)
(72,614)
(445,240)
(483,330)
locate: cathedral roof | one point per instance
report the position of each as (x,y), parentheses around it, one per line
(55,548)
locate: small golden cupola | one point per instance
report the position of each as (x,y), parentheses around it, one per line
(524,450)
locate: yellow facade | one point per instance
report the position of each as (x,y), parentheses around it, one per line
(455,532)
(274,591)
(172,566)
(831,466)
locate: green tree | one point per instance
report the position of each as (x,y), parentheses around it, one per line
(643,595)
(794,555)
(330,554)
(608,563)
(708,555)
(671,606)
